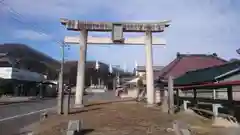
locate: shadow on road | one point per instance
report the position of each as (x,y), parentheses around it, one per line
(109,102)
(84,110)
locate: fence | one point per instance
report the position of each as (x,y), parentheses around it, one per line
(205,96)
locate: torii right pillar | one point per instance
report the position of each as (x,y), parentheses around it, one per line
(149,69)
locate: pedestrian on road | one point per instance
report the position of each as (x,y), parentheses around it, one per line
(141,91)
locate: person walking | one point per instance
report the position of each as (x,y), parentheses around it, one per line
(141,91)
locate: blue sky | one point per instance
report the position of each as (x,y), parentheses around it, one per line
(197,26)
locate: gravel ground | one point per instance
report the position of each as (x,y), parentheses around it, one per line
(123,118)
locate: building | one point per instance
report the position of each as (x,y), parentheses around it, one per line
(92,75)
(180,65)
(141,70)
(24,57)
(188,62)
(23,70)
(215,74)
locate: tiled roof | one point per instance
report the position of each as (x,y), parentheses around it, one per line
(189,62)
(208,74)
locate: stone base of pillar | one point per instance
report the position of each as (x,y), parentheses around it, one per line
(185,106)
(164,108)
(150,105)
(215,109)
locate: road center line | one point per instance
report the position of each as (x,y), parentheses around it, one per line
(26,114)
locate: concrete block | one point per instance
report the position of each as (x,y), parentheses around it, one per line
(74,125)
(43,116)
(185,102)
(181,128)
(215,109)
(158,96)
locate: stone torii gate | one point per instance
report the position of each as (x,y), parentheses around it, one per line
(117,38)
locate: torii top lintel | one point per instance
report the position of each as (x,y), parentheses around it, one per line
(77,25)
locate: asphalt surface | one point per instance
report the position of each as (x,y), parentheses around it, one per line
(13,117)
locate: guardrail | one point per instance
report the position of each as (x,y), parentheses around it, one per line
(230,105)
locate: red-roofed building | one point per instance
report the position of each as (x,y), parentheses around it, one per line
(188,62)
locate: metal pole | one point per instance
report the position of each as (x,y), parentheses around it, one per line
(91,82)
(60,83)
(81,69)
(99,79)
(214,94)
(149,68)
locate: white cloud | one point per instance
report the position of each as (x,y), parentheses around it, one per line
(55,9)
(197,26)
(31,35)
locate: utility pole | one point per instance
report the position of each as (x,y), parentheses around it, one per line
(170,95)
(60,82)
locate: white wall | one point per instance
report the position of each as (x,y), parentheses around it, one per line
(18,74)
(235,89)
(6,72)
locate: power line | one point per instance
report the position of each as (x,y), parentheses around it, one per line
(36,28)
(19,17)
(62,45)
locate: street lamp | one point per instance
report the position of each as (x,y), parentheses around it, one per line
(238,51)
(136,65)
(110,69)
(97,67)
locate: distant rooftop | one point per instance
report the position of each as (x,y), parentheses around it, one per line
(155,68)
(189,62)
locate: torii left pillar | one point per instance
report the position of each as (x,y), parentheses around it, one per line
(149,68)
(81,69)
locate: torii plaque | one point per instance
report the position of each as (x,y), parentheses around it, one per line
(117,29)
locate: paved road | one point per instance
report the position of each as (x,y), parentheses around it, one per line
(15,116)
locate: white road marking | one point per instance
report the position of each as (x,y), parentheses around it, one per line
(26,114)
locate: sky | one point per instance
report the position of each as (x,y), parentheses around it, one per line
(197,27)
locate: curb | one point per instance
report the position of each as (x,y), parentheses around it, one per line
(26,101)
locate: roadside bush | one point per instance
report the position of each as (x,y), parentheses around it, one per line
(4,91)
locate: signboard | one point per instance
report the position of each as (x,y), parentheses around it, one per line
(117,33)
(127,27)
